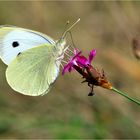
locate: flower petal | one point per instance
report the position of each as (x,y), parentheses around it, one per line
(78,60)
(91,55)
(82,61)
(66,68)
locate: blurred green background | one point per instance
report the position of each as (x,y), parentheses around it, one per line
(66,111)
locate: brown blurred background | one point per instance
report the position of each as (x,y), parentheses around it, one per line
(66,111)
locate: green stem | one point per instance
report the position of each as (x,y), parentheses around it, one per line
(125,95)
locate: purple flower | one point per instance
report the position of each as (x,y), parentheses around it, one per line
(83,61)
(78,60)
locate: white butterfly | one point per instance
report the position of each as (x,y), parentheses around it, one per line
(33,59)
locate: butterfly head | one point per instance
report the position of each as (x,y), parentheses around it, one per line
(61,43)
(60,47)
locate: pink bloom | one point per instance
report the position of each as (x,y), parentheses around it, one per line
(83,61)
(78,60)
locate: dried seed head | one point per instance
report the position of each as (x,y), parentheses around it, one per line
(98,78)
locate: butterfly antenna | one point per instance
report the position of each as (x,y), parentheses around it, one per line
(64,34)
(66,25)
(74,46)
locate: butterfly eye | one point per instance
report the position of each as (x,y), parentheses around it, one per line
(15,44)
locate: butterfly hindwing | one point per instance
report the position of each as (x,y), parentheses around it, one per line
(33,71)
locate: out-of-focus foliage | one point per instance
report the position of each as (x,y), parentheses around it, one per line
(66,111)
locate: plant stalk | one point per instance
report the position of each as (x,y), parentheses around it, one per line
(126,96)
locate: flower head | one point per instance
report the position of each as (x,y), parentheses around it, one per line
(83,66)
(78,60)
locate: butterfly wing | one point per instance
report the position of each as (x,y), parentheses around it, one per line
(33,71)
(14,40)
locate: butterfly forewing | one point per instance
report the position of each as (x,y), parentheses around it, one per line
(14,40)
